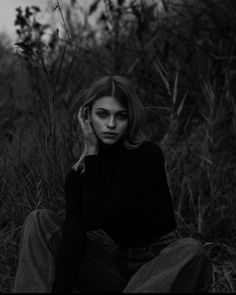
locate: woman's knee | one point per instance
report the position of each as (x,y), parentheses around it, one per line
(192,245)
(38,215)
(187,246)
(42,218)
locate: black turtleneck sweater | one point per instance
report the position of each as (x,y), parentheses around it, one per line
(125,193)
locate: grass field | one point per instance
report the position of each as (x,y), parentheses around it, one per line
(38,138)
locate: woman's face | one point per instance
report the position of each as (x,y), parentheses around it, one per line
(109,119)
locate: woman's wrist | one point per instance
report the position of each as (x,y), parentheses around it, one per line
(92,151)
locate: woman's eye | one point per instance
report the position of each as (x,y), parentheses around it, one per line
(102,115)
(118,116)
(122,116)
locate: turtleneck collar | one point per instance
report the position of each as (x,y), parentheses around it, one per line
(112,150)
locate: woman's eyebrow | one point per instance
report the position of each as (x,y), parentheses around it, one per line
(105,110)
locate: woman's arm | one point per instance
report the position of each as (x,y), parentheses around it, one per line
(72,244)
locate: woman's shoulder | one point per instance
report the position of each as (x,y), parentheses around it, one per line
(148,149)
(151,146)
(147,153)
(146,157)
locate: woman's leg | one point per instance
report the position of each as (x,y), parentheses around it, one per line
(175,269)
(40,237)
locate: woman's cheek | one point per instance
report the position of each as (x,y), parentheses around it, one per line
(96,125)
(124,127)
(97,121)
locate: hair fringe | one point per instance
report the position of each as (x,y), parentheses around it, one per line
(113,89)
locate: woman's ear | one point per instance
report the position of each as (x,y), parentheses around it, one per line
(86,112)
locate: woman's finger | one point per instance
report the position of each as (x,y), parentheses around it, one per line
(83,113)
(79,113)
(80,118)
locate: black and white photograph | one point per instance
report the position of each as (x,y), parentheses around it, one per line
(117,146)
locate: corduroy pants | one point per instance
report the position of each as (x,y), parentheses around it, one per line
(180,266)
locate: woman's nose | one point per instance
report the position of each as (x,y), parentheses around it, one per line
(111,123)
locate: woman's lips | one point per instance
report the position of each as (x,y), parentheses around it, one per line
(110,134)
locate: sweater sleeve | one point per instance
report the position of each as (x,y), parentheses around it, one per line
(92,197)
(72,244)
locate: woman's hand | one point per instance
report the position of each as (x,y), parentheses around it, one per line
(91,141)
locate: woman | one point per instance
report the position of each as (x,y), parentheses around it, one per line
(120,228)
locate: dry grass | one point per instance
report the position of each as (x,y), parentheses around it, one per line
(36,181)
(200,163)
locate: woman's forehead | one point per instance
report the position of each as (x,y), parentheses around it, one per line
(109,102)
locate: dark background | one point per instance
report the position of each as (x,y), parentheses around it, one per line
(181,57)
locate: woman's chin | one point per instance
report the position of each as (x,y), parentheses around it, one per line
(109,141)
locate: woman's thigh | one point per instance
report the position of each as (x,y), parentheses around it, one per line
(164,272)
(47,225)
(40,237)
